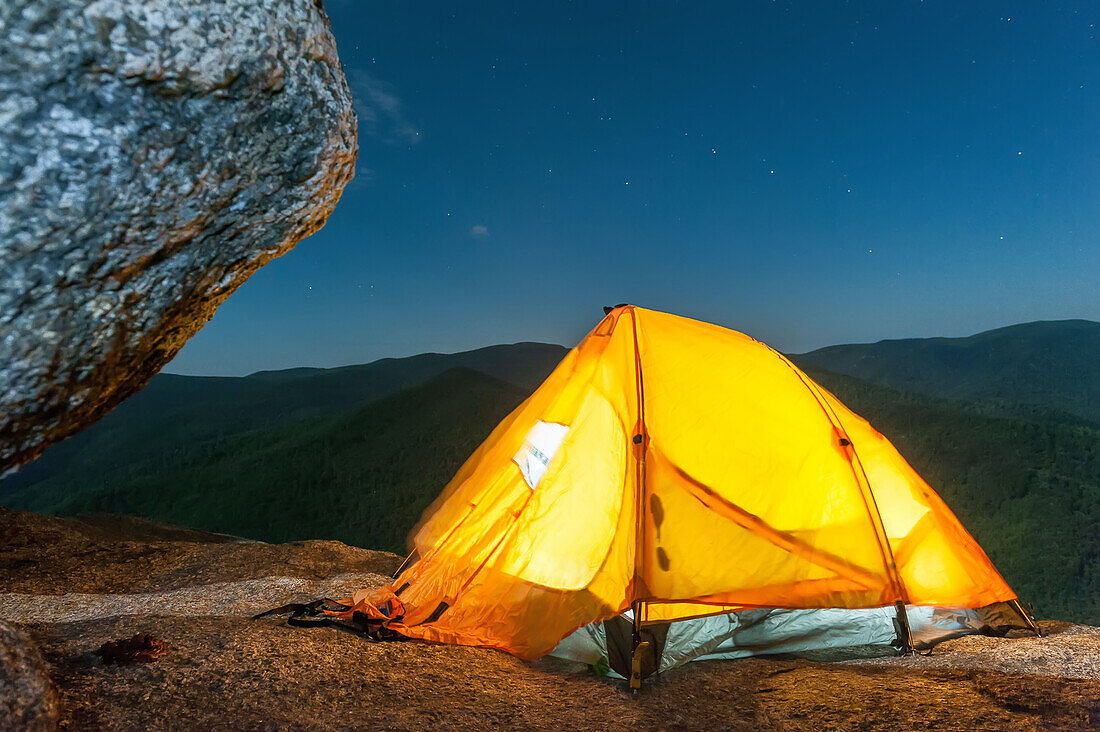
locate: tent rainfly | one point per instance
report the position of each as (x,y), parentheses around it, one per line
(675,491)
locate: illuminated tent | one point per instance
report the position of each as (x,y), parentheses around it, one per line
(676,490)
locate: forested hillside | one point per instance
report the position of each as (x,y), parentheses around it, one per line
(363,476)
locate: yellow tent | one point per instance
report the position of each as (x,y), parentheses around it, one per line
(670,469)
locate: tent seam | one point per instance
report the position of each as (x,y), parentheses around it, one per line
(639,534)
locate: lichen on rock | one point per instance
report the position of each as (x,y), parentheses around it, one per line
(153,155)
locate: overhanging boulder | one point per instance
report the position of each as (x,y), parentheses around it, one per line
(153,155)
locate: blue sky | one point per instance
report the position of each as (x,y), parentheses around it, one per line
(809,173)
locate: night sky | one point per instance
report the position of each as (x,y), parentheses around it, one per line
(809,173)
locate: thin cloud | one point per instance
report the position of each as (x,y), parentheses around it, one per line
(479,231)
(381,112)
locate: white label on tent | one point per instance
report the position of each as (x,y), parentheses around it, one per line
(539,447)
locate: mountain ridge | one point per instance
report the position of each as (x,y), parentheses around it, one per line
(1043,369)
(990,331)
(314,370)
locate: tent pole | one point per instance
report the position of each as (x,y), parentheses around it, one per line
(1027,618)
(905,635)
(640,443)
(859,474)
(405,564)
(638,648)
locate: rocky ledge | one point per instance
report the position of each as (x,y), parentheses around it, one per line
(193,592)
